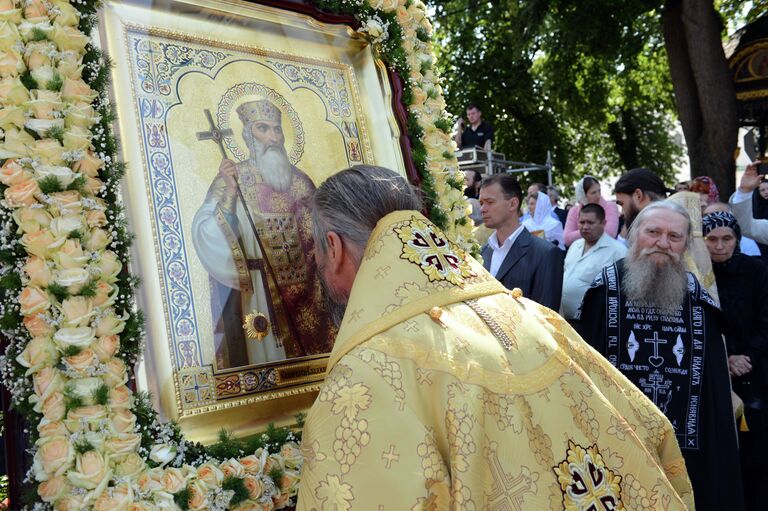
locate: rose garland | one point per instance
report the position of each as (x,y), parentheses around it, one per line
(67,299)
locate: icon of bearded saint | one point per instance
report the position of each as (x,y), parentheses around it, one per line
(265,297)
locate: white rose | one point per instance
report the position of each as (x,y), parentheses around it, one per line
(63,174)
(162,453)
(43,75)
(79,336)
(374,28)
(72,278)
(43,126)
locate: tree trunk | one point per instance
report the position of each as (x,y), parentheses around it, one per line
(706,100)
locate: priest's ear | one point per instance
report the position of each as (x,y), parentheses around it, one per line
(334,252)
(340,263)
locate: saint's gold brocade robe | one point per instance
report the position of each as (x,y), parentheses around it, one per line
(446,391)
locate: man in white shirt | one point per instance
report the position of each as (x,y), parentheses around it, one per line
(513,255)
(741,202)
(586,258)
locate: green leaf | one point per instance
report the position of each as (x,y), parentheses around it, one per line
(58,291)
(50,184)
(71,351)
(237,485)
(101,395)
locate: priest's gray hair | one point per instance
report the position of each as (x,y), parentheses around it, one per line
(351,203)
(647,211)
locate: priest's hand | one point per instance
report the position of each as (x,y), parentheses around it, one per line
(750,179)
(739,365)
(228,172)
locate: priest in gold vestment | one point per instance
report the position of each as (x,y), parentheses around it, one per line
(447,391)
(265,299)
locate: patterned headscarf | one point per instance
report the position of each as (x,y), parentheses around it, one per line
(721,219)
(705,184)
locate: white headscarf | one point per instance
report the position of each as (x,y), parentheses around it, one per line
(543,220)
(581,195)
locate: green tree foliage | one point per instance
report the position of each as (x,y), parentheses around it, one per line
(585,82)
(589,80)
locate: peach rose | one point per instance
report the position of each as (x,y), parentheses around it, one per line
(123,443)
(77,311)
(38,55)
(22,193)
(76,90)
(52,489)
(53,457)
(231,468)
(198,496)
(131,465)
(33,300)
(48,150)
(290,482)
(383,5)
(47,381)
(35,9)
(9,35)
(150,480)
(105,294)
(123,420)
(251,464)
(254,487)
(37,326)
(89,165)
(173,480)
(39,352)
(90,470)
(105,347)
(71,255)
(210,475)
(77,138)
(54,407)
(90,414)
(82,361)
(81,115)
(32,219)
(38,271)
(292,455)
(12,173)
(109,325)
(403,16)
(67,201)
(11,63)
(68,38)
(67,14)
(96,218)
(39,243)
(12,115)
(119,498)
(49,429)
(120,397)
(97,240)
(71,503)
(248,506)
(13,91)
(93,185)
(272,463)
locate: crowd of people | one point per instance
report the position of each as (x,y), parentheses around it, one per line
(671,287)
(649,389)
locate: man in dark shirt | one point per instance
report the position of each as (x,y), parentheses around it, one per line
(478,134)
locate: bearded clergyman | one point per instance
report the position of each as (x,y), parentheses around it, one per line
(654,322)
(265,298)
(445,390)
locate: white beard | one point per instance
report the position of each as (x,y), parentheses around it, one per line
(646,284)
(272,162)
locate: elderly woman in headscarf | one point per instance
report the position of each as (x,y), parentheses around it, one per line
(742,283)
(541,221)
(588,192)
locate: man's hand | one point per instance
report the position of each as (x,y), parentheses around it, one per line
(228,172)
(751,179)
(459,124)
(739,365)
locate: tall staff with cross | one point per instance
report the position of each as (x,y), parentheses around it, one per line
(230,172)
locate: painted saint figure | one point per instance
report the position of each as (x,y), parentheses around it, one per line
(265,299)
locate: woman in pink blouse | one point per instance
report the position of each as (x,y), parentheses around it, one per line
(588,192)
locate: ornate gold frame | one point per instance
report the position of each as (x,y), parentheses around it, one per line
(184,386)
